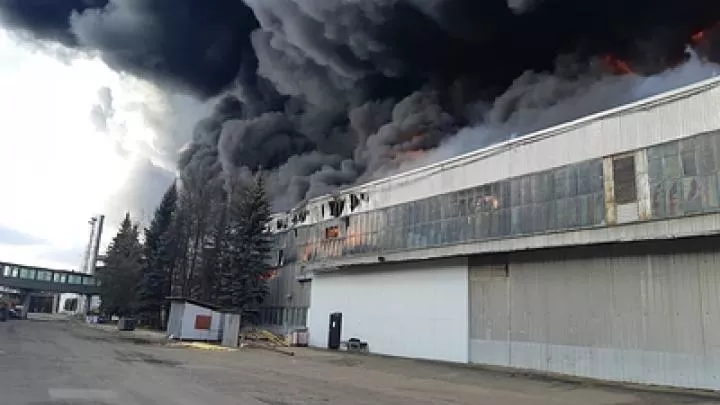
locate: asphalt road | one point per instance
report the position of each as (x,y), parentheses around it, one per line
(51,363)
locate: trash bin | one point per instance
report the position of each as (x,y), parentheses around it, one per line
(300,337)
(126,324)
(303,337)
(335,330)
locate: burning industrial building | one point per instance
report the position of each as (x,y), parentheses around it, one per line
(529,184)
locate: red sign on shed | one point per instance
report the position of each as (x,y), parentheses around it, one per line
(202,322)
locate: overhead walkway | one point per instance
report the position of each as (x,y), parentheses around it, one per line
(29,278)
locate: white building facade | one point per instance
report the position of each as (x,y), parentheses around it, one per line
(588,249)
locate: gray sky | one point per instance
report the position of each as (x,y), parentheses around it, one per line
(60,167)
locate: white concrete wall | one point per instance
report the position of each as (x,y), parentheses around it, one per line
(407,309)
(645,313)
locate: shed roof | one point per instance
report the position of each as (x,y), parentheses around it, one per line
(194,302)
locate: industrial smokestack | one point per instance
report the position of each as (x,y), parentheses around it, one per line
(99,222)
(84,265)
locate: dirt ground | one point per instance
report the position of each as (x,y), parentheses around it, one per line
(68,363)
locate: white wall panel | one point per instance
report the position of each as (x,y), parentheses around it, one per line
(414,309)
(646,313)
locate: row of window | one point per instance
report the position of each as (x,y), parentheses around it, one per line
(683,179)
(26,273)
(284,316)
(684,176)
(564,198)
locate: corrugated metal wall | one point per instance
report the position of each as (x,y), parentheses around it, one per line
(642,312)
(286,305)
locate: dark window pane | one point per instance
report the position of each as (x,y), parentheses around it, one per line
(655,173)
(599,207)
(624,179)
(692,195)
(503,219)
(516,220)
(705,159)
(539,187)
(540,217)
(673,197)
(562,189)
(711,197)
(688,163)
(463,203)
(482,226)
(502,191)
(515,192)
(671,167)
(527,194)
(583,178)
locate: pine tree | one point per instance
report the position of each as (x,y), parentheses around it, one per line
(246,250)
(160,257)
(119,279)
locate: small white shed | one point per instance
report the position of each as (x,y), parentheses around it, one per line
(193,320)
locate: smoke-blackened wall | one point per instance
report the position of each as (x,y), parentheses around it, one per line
(322,94)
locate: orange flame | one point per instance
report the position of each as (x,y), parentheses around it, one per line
(409,154)
(698,36)
(701,35)
(617,66)
(354,239)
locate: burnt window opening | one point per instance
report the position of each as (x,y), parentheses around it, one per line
(281,224)
(295,231)
(354,202)
(281,258)
(332,232)
(346,221)
(299,217)
(624,180)
(364,197)
(322,210)
(336,207)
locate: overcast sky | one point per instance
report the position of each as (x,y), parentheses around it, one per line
(74,142)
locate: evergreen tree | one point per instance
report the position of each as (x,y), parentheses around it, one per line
(160,257)
(246,250)
(119,279)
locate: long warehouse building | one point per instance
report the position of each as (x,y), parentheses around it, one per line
(589,249)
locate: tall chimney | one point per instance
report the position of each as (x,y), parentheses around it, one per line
(85,265)
(98,228)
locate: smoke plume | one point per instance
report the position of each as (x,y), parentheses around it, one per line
(324,94)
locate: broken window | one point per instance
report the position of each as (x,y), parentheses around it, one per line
(354,202)
(332,232)
(299,217)
(336,207)
(624,179)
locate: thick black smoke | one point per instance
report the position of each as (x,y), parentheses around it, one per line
(326,93)
(199,46)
